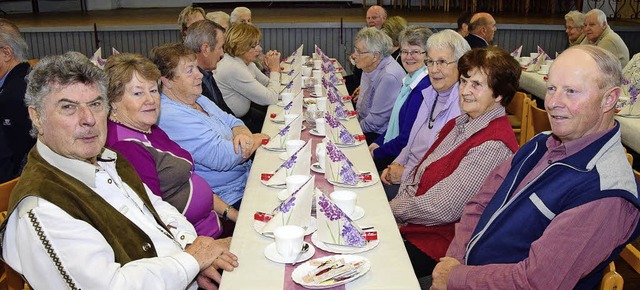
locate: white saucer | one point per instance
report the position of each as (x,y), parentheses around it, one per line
(278,119)
(258,225)
(542,73)
(272,254)
(357,143)
(276,149)
(273,185)
(283,156)
(302,128)
(301,271)
(280,104)
(313,94)
(374,179)
(357,213)
(315,167)
(342,249)
(314,132)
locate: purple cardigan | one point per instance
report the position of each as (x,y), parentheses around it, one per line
(407,116)
(168,171)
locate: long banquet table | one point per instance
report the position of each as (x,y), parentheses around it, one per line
(535,84)
(390,265)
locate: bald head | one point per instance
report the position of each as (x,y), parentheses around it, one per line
(376,15)
(482,24)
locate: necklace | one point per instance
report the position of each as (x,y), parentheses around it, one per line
(135,129)
(432,118)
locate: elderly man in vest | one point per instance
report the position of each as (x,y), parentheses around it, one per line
(482,29)
(598,33)
(80,218)
(557,212)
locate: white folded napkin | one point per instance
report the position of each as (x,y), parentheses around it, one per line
(628,102)
(295,210)
(97,59)
(338,168)
(290,131)
(546,56)
(336,132)
(295,106)
(536,62)
(298,164)
(334,226)
(516,53)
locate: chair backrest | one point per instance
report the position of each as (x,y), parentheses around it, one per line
(10,278)
(537,121)
(524,127)
(516,106)
(611,279)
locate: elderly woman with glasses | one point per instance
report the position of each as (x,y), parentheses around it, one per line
(166,168)
(241,82)
(380,83)
(385,149)
(439,105)
(432,197)
(574,24)
(219,143)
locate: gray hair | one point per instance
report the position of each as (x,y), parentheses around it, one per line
(576,16)
(600,16)
(375,40)
(217,16)
(57,71)
(237,12)
(608,65)
(415,35)
(16,42)
(449,39)
(200,32)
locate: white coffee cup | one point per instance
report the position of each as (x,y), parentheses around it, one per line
(345,200)
(320,126)
(525,60)
(314,55)
(305,81)
(286,98)
(288,118)
(549,62)
(321,103)
(317,74)
(288,241)
(544,69)
(306,71)
(294,182)
(317,90)
(534,55)
(292,146)
(321,154)
(317,64)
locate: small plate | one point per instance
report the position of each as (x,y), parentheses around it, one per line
(278,119)
(305,268)
(313,94)
(283,156)
(357,213)
(621,115)
(276,149)
(283,194)
(374,179)
(541,73)
(343,249)
(315,167)
(280,104)
(273,185)
(302,128)
(357,143)
(313,226)
(272,254)
(314,132)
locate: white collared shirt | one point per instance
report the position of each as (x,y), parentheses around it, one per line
(84,254)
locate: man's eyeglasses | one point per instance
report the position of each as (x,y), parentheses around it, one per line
(412,52)
(439,63)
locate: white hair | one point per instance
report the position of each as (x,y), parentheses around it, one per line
(602,18)
(237,12)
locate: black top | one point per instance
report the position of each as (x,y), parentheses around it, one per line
(15,122)
(475,41)
(210,90)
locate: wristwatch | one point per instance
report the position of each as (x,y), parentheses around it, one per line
(225,212)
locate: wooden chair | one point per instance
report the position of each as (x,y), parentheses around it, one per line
(10,279)
(517,111)
(33,62)
(611,279)
(537,120)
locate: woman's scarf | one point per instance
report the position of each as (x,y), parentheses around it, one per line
(393,129)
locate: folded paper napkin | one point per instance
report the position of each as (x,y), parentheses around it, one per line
(293,81)
(295,210)
(318,51)
(628,103)
(290,131)
(298,164)
(97,59)
(296,55)
(336,132)
(516,53)
(338,168)
(546,56)
(536,63)
(335,227)
(295,106)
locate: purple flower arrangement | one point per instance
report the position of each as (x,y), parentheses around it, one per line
(283,134)
(348,175)
(345,136)
(348,233)
(285,207)
(329,209)
(335,155)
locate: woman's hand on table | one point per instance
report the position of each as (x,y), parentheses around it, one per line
(243,144)
(392,174)
(372,147)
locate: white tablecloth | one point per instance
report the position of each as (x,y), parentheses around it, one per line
(390,265)
(535,84)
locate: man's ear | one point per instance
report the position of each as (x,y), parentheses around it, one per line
(35,119)
(205,48)
(165,82)
(610,99)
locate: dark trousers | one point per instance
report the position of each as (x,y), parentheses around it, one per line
(422,264)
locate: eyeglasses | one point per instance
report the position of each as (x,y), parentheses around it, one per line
(439,63)
(357,52)
(412,52)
